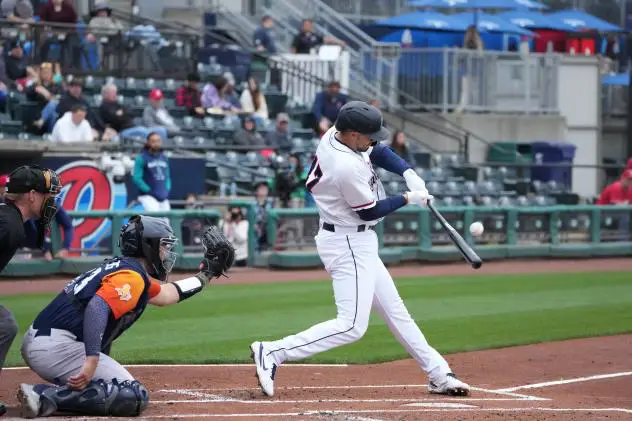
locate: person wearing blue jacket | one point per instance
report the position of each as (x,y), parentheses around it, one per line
(326,106)
(64,222)
(152,175)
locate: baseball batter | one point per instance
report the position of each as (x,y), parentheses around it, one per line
(351,200)
(69,341)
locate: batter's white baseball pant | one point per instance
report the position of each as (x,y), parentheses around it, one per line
(150,204)
(58,355)
(360,282)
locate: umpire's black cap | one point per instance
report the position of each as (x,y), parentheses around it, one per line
(358,116)
(32,177)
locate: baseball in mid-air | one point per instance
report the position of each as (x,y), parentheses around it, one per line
(477,229)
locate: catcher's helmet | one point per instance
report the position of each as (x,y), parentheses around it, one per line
(358,116)
(151,238)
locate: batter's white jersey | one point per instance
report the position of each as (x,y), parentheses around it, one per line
(343,182)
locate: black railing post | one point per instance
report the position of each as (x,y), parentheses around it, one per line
(466,148)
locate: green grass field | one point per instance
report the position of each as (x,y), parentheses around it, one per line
(455,313)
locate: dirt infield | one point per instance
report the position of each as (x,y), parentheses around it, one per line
(585,379)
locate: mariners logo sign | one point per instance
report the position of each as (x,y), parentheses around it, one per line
(87,188)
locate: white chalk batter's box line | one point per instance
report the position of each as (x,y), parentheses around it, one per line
(351,412)
(205,392)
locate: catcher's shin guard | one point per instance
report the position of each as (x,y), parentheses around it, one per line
(126,399)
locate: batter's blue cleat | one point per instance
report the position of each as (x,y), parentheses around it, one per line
(265,368)
(450,386)
(3,409)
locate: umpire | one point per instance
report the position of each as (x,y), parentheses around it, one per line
(30,193)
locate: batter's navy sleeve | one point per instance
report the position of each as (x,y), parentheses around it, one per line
(382,208)
(139,168)
(8,331)
(65,223)
(384,157)
(94,323)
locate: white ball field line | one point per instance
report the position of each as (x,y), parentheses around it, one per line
(519,396)
(346,412)
(265,401)
(204,366)
(565,381)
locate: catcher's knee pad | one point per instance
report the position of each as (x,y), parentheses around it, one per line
(126,399)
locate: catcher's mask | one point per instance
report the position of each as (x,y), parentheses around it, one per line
(153,239)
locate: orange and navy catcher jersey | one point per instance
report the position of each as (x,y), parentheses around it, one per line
(121,282)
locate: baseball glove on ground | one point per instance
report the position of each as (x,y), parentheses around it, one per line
(219,253)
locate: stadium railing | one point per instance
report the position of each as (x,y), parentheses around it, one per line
(411,234)
(135,51)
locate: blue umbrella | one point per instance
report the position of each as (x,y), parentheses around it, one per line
(478,4)
(581,20)
(534,20)
(425,20)
(493,23)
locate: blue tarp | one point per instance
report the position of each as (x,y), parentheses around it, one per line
(479,4)
(425,20)
(493,23)
(535,20)
(619,79)
(579,19)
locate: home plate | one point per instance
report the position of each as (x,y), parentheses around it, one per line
(440,405)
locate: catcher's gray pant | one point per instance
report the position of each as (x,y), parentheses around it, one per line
(58,356)
(8,331)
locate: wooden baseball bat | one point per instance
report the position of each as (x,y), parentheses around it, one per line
(468,253)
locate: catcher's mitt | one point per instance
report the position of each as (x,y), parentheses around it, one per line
(219,253)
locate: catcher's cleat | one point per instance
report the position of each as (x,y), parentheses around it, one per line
(450,386)
(29,401)
(265,368)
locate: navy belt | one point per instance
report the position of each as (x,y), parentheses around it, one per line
(332,228)
(45,331)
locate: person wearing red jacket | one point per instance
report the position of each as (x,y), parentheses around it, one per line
(619,192)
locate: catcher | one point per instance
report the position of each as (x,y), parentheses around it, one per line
(69,341)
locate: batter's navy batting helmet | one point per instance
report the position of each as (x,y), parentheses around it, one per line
(358,116)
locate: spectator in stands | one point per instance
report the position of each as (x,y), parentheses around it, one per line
(102,22)
(264,203)
(104,27)
(45,91)
(248,135)
(619,192)
(16,66)
(326,106)
(73,96)
(189,96)
(230,93)
(157,115)
(65,223)
(235,228)
(307,39)
(214,96)
(280,138)
(17,10)
(73,127)
(400,147)
(62,12)
(264,37)
(152,175)
(471,68)
(253,101)
(117,117)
